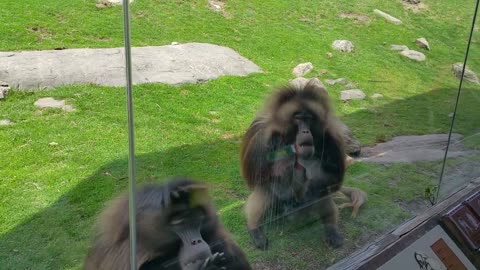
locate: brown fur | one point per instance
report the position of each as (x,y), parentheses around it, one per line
(357,198)
(274,127)
(156,243)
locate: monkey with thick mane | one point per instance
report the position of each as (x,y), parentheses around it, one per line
(177,229)
(294,153)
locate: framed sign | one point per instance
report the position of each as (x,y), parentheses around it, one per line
(433,251)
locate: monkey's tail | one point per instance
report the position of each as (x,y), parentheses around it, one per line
(357,198)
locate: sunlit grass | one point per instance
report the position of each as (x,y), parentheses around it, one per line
(50,194)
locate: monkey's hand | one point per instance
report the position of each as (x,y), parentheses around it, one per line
(215,262)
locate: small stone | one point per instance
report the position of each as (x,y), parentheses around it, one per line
(302,69)
(414,55)
(216,5)
(4,88)
(329,54)
(387,17)
(343,45)
(109,3)
(376,95)
(300,82)
(322,71)
(5,122)
(335,81)
(53,144)
(414,2)
(350,85)
(347,95)
(422,43)
(400,48)
(469,75)
(450,115)
(52,103)
(174,43)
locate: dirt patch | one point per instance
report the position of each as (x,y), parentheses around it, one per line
(414,207)
(415,6)
(219,6)
(42,33)
(357,18)
(227,136)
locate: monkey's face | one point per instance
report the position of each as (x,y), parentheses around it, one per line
(304,145)
(183,219)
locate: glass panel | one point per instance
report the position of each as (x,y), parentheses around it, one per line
(202,71)
(463,156)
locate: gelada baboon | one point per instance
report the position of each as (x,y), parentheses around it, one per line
(177,229)
(294,152)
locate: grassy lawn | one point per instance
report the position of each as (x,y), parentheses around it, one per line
(50,194)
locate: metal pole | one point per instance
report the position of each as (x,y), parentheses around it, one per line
(131,138)
(456,101)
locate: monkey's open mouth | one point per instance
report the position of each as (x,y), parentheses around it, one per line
(306,144)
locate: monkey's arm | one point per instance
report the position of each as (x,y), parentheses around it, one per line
(357,199)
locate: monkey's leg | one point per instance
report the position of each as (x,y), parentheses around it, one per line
(329,215)
(256,205)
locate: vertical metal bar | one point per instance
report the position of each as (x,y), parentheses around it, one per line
(131,137)
(456,101)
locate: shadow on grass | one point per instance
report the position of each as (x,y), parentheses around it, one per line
(58,236)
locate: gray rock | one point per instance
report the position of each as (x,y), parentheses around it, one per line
(387,17)
(450,115)
(469,75)
(376,95)
(335,81)
(414,55)
(343,45)
(416,148)
(414,2)
(183,63)
(5,122)
(422,43)
(4,88)
(302,69)
(49,102)
(400,48)
(347,95)
(300,82)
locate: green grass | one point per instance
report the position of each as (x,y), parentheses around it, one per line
(50,195)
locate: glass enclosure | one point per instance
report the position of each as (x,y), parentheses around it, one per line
(203,72)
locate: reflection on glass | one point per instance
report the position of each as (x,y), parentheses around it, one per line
(463,157)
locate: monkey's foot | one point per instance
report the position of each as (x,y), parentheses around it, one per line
(333,237)
(259,238)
